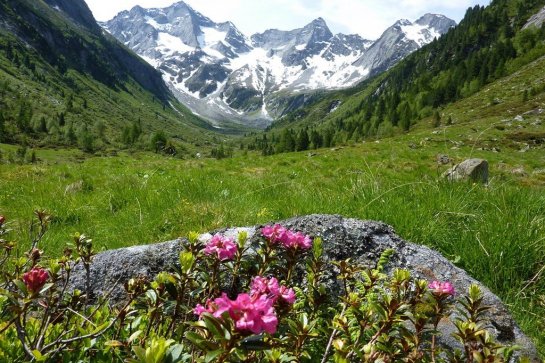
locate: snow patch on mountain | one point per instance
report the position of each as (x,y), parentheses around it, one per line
(420,34)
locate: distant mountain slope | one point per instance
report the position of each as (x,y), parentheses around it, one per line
(64,81)
(488,44)
(224,75)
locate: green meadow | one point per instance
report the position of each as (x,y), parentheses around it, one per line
(496,232)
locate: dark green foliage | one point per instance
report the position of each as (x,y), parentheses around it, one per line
(436,119)
(158,141)
(221,152)
(42,125)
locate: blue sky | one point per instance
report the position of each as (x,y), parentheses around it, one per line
(369,18)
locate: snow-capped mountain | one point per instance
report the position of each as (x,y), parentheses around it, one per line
(222,74)
(401,39)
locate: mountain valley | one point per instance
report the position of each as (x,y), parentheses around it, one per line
(224,75)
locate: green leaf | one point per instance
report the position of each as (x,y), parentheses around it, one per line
(46,287)
(215,327)
(140,353)
(211,356)
(175,354)
(21,285)
(134,335)
(242,239)
(152,296)
(200,342)
(38,356)
(100,328)
(113,343)
(187,260)
(317,248)
(172,290)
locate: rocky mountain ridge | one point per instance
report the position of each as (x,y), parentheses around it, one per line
(222,74)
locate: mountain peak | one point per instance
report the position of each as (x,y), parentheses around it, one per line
(403,22)
(439,22)
(318,23)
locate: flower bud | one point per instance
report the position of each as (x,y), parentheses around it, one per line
(35,279)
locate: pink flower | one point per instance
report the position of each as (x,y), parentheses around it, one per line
(223,247)
(254,314)
(2,220)
(264,286)
(272,289)
(441,288)
(287,294)
(289,239)
(35,279)
(274,234)
(216,307)
(296,240)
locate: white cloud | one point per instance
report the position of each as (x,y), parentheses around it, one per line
(368,18)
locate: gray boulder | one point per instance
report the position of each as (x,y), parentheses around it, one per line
(475,170)
(362,241)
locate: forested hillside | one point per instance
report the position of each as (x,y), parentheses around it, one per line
(63,82)
(488,44)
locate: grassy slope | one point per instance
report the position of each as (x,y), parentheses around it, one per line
(497,233)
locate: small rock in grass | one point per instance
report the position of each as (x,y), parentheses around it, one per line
(475,170)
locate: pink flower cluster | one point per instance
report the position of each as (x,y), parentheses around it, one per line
(223,247)
(272,289)
(441,288)
(253,314)
(287,238)
(35,279)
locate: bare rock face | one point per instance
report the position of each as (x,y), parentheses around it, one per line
(475,170)
(536,20)
(362,241)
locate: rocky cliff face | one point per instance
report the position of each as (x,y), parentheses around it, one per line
(224,75)
(536,20)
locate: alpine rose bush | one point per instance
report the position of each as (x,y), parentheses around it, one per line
(254,311)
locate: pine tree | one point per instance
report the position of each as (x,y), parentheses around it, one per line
(302,141)
(42,126)
(436,119)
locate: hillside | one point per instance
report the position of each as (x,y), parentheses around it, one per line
(64,82)
(489,44)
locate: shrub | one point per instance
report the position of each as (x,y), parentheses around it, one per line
(232,301)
